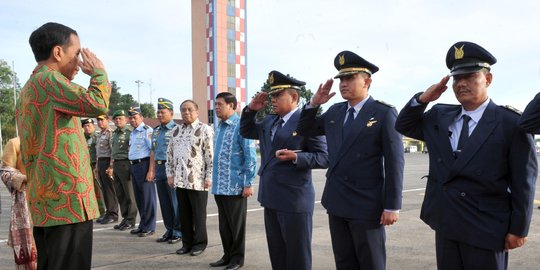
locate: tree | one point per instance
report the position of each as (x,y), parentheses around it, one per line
(305,96)
(147,110)
(7,107)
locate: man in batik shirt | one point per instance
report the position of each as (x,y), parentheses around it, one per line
(189,169)
(60,182)
(235,163)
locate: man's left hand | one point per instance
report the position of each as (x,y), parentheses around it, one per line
(513,241)
(150,176)
(389,218)
(207,183)
(247,192)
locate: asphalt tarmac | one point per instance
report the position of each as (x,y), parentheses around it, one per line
(409,244)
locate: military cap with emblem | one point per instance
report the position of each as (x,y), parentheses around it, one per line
(164,103)
(467,57)
(119,113)
(101,117)
(87,121)
(279,82)
(133,110)
(349,63)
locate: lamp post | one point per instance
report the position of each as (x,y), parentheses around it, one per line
(139,82)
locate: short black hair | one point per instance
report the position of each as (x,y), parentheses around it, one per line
(229,98)
(191,101)
(51,34)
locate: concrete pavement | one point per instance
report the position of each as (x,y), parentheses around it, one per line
(410,243)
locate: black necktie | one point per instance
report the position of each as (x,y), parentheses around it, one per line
(464,135)
(276,128)
(348,122)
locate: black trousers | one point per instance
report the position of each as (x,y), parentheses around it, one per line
(356,246)
(232,226)
(64,246)
(124,190)
(455,255)
(192,205)
(107,186)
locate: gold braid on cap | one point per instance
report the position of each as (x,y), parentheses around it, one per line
(352,69)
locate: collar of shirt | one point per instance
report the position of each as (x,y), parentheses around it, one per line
(230,120)
(476,114)
(288,116)
(124,129)
(194,124)
(140,127)
(358,106)
(169,125)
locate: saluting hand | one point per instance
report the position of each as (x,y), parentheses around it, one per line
(435,91)
(323,93)
(259,101)
(89,62)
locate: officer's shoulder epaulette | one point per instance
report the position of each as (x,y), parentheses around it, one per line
(146,126)
(157,127)
(384,103)
(512,109)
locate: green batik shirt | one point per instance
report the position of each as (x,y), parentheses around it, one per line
(120,143)
(53,148)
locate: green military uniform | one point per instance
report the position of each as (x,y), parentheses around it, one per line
(91,140)
(122,175)
(60,182)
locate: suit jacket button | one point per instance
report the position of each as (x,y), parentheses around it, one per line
(463,194)
(346,178)
(444,188)
(439,160)
(478,172)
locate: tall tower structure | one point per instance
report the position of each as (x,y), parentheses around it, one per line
(219,53)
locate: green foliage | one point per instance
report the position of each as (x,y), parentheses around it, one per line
(148,110)
(7,103)
(119,101)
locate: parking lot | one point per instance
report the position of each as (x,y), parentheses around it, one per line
(410,243)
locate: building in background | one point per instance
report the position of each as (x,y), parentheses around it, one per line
(219,53)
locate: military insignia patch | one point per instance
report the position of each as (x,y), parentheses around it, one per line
(459,53)
(342,59)
(370,123)
(271,78)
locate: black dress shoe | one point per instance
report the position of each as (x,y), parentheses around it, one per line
(163,239)
(183,250)
(233,266)
(197,252)
(219,263)
(174,239)
(100,218)
(108,220)
(122,223)
(144,233)
(136,231)
(126,227)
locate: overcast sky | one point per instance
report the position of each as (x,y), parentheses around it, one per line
(151,41)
